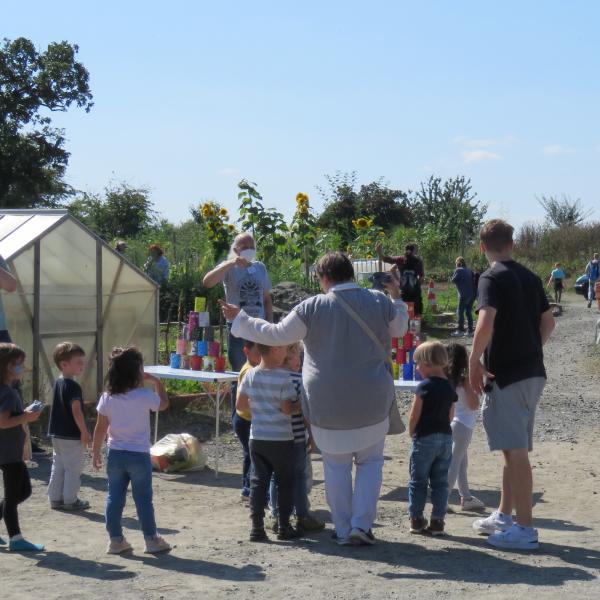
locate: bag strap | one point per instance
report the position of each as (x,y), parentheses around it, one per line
(359,321)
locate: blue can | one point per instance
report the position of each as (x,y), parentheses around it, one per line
(202,348)
(407,371)
(175,360)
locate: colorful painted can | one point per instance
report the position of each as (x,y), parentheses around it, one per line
(220,364)
(400,356)
(202,348)
(407,341)
(209,363)
(203,319)
(411,309)
(193,320)
(407,371)
(396,370)
(394,342)
(175,361)
(415,326)
(199,304)
(181,346)
(185,361)
(214,348)
(196,362)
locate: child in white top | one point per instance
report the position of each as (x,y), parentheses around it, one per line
(463,424)
(124,414)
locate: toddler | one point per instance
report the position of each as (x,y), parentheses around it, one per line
(429,426)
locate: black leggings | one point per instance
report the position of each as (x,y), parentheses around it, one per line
(17,488)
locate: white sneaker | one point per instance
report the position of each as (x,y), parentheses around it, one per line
(361,538)
(515,538)
(116,546)
(157,544)
(495,522)
(471,503)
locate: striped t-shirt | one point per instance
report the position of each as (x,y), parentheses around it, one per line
(267,389)
(298,428)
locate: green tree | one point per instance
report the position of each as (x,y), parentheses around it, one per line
(123,211)
(451,208)
(563,212)
(34,84)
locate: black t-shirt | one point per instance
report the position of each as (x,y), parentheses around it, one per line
(62,423)
(437,395)
(515,350)
(12,440)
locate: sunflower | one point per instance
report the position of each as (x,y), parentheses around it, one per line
(361,223)
(223,212)
(231,227)
(301,198)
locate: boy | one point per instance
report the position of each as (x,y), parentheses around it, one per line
(68,430)
(268,391)
(242,418)
(515,321)
(429,425)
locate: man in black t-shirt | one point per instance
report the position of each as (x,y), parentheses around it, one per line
(514,323)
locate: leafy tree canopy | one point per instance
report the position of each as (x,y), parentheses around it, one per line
(563,212)
(33,85)
(123,211)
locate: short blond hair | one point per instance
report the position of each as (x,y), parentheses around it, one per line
(432,354)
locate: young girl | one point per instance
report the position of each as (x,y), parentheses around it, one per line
(465,418)
(429,425)
(302,446)
(17,485)
(124,413)
(556,277)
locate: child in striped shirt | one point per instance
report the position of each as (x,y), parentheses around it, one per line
(302,446)
(267,391)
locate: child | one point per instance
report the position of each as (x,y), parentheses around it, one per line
(68,430)
(17,485)
(267,391)
(556,276)
(242,418)
(429,426)
(124,413)
(465,418)
(304,520)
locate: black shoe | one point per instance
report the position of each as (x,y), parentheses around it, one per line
(287,532)
(258,534)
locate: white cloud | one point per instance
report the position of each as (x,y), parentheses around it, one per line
(557,150)
(471,156)
(506,140)
(227,172)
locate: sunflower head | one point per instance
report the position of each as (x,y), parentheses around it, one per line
(361,223)
(223,212)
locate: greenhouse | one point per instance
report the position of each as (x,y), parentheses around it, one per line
(72,286)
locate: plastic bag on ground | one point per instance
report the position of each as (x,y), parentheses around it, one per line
(178,452)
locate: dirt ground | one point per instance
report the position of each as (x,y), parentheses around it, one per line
(208,523)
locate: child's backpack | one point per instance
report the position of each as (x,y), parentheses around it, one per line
(408,282)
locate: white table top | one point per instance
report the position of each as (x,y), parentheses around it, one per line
(165,372)
(400,385)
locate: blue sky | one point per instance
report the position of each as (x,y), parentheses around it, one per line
(192,96)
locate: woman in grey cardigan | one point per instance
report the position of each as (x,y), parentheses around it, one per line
(349,388)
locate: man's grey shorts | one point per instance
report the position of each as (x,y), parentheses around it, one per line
(508,414)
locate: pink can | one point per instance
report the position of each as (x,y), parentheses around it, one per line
(214,349)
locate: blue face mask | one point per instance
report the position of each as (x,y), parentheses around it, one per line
(18,369)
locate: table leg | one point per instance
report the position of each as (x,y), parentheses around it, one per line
(155,427)
(217,441)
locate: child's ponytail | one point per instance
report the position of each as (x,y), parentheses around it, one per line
(458,364)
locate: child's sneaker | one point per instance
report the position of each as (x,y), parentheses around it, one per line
(495,522)
(77,505)
(436,527)
(310,523)
(287,532)
(515,538)
(156,545)
(22,545)
(118,546)
(258,534)
(418,524)
(471,503)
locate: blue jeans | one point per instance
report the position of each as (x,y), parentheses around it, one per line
(300,493)
(429,462)
(465,306)
(237,359)
(241,427)
(123,466)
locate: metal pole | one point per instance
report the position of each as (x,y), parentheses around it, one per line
(36,320)
(99,321)
(217,440)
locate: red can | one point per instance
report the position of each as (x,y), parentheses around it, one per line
(220,363)
(401,356)
(196,362)
(407,341)
(394,342)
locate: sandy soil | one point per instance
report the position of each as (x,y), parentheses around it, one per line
(206,520)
